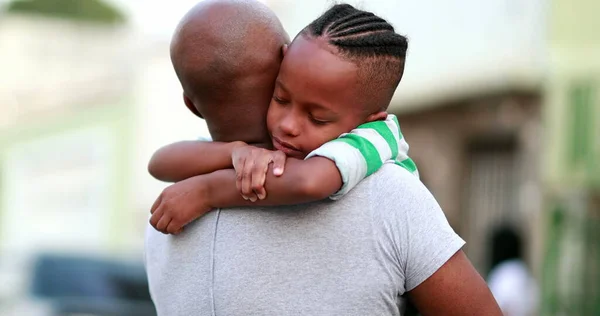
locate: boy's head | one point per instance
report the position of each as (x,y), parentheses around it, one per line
(227,54)
(339,72)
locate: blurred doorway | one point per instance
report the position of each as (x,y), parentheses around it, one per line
(489,194)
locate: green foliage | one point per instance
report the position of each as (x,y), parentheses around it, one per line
(83,10)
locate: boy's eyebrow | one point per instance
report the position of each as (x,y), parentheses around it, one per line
(281,85)
(323,108)
(312,105)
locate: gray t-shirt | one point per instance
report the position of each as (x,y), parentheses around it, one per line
(355,256)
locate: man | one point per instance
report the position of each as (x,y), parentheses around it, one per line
(355,256)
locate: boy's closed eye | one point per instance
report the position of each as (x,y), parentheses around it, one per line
(320,116)
(319,122)
(280,100)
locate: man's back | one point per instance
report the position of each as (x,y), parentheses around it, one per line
(179,268)
(355,256)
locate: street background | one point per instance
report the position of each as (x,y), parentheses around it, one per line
(500,103)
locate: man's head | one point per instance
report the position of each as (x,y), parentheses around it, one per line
(227,54)
(339,72)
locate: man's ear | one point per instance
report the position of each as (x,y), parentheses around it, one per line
(284,49)
(190,105)
(379,116)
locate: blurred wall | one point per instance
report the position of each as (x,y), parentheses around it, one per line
(85,107)
(67,95)
(479,158)
(571,270)
(455,48)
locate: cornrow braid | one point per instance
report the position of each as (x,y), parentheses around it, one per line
(354,19)
(371,43)
(358,33)
(336,13)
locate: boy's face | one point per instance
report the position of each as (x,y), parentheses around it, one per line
(315,99)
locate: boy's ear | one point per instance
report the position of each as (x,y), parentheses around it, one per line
(379,116)
(190,105)
(284,49)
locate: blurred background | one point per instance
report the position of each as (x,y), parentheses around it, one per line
(500,103)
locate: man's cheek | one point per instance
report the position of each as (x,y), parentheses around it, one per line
(272,119)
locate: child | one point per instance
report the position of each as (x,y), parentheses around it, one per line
(340,72)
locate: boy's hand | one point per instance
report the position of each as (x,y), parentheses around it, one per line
(179,204)
(251,165)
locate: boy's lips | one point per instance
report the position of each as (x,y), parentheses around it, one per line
(286,148)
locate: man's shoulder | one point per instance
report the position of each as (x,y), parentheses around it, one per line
(392,178)
(393,189)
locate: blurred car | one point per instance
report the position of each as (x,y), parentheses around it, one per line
(68,285)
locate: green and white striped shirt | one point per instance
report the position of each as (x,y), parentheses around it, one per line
(364,150)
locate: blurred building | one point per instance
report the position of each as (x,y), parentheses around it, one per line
(84,104)
(67,108)
(571,267)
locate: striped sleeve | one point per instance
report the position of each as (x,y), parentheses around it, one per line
(402,159)
(364,150)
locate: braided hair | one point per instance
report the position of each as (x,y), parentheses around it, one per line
(367,40)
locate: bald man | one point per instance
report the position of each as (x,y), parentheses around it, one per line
(226,54)
(356,256)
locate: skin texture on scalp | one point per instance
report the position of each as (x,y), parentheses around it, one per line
(226,54)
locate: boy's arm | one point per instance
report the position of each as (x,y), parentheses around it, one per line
(182,160)
(303,181)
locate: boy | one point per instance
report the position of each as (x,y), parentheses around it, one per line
(351,86)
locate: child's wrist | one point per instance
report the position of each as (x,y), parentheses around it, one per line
(204,192)
(236,144)
(233,146)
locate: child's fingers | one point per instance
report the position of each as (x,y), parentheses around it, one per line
(163,223)
(174,228)
(261,193)
(239,175)
(258,178)
(156,204)
(238,184)
(156,216)
(247,192)
(279,159)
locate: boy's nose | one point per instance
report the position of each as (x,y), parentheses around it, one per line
(289,125)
